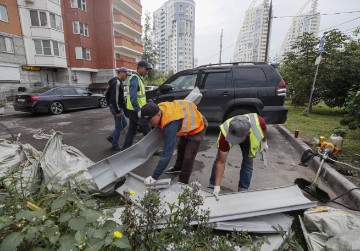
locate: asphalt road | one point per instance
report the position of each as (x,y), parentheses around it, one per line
(87,129)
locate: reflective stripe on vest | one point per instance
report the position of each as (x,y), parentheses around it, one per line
(140,97)
(256,133)
(192,119)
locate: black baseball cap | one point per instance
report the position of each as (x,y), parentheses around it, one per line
(148,111)
(145,64)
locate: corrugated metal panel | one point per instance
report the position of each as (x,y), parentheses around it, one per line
(258,224)
(110,169)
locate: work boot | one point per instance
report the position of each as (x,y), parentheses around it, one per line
(110,139)
(116,148)
(173,170)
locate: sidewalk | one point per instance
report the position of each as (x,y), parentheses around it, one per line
(338,183)
(9,110)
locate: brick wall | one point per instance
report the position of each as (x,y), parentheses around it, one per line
(100,42)
(13,25)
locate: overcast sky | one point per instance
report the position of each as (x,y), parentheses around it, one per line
(213,15)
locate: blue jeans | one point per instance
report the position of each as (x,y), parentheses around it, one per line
(245,170)
(133,125)
(120,123)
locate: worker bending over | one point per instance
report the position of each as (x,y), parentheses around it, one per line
(176,118)
(248,131)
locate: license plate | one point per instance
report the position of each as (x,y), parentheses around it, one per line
(21,99)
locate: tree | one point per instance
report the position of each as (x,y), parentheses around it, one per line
(338,71)
(150,53)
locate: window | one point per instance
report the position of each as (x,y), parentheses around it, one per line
(80,4)
(68,91)
(49,47)
(38,18)
(247,77)
(80,28)
(185,82)
(6,44)
(3,14)
(214,80)
(55,22)
(82,53)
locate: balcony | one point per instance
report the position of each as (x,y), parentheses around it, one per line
(126,44)
(127,62)
(131,7)
(127,23)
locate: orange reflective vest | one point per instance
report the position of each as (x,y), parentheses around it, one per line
(192,119)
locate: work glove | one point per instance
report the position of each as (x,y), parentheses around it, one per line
(217,192)
(263,146)
(139,114)
(149,181)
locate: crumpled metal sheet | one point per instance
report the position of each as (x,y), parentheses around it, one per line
(108,171)
(22,159)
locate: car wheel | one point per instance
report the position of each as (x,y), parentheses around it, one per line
(237,112)
(56,108)
(102,103)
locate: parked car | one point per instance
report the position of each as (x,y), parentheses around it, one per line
(230,89)
(57,100)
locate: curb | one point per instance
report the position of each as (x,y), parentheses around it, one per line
(335,180)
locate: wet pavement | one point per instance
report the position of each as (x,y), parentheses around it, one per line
(87,129)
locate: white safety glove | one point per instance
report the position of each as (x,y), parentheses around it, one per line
(149,181)
(139,114)
(217,192)
(263,146)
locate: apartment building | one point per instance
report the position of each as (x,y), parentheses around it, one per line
(43,36)
(303,21)
(101,36)
(75,42)
(174,32)
(251,42)
(12,52)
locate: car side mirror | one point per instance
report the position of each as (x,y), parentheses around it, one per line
(89,93)
(165,88)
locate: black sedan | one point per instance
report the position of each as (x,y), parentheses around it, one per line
(57,100)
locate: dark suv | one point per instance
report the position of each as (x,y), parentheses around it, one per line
(230,89)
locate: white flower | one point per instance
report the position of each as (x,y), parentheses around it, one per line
(18,206)
(183,231)
(170,247)
(237,248)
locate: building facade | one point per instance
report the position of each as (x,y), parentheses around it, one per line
(304,21)
(12,51)
(174,32)
(71,42)
(251,42)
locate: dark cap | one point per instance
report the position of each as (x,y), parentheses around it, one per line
(148,111)
(145,64)
(238,130)
(121,69)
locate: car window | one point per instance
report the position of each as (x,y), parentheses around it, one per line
(184,82)
(68,91)
(81,91)
(215,80)
(246,77)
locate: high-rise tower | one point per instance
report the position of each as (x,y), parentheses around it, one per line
(174,31)
(251,43)
(304,21)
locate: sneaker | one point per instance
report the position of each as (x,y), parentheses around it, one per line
(211,186)
(116,148)
(173,170)
(110,139)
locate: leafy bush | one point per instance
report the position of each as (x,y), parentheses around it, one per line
(184,226)
(352,118)
(65,219)
(2,103)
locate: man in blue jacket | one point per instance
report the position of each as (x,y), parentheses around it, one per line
(136,99)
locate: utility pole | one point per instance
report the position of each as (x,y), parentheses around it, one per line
(221,36)
(268,32)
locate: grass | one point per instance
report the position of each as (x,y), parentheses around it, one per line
(323,121)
